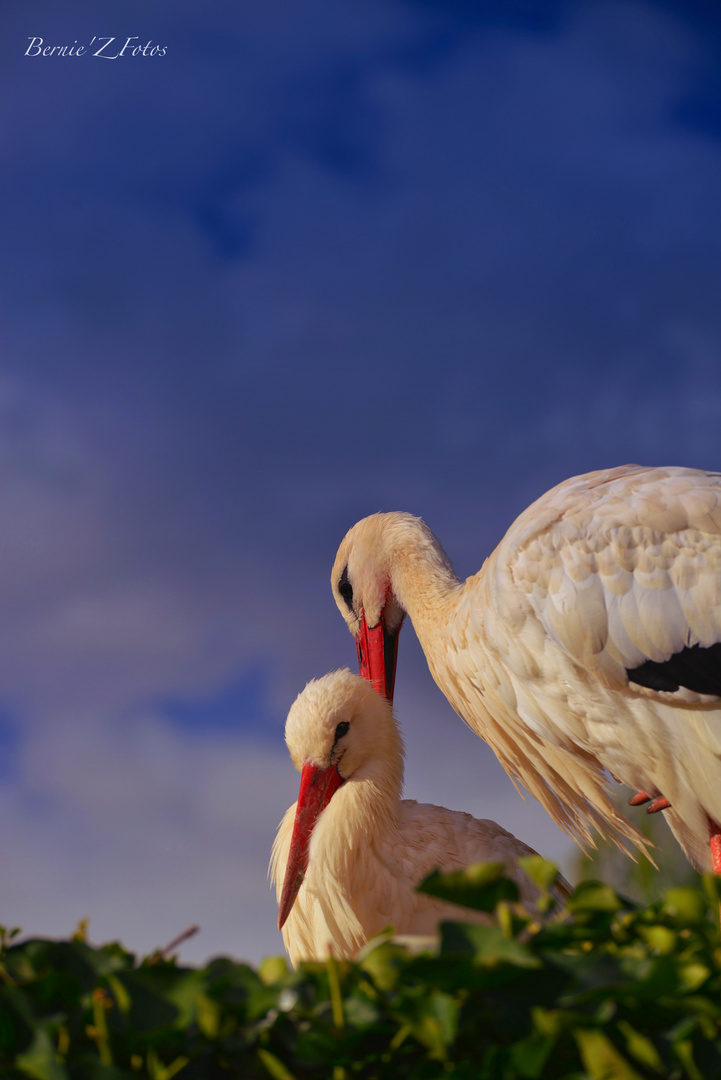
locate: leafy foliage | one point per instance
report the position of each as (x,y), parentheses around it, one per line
(609,991)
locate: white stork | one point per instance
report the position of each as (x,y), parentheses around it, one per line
(590,640)
(349,853)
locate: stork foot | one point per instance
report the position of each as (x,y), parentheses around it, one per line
(658,804)
(641,797)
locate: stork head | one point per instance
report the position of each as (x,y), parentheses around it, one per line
(385,562)
(338,729)
(362,583)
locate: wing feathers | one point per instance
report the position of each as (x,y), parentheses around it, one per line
(697,669)
(630,565)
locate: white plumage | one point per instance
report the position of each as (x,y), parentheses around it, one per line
(588,641)
(368,848)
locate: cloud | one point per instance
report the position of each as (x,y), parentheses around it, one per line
(146,831)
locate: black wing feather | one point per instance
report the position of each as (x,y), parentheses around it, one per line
(695,668)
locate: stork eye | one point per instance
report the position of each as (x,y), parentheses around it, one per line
(341,730)
(346,589)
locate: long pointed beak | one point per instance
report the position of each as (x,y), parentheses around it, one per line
(317,787)
(377,648)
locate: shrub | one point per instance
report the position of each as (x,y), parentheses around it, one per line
(610,990)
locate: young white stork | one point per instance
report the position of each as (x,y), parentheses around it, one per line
(590,640)
(349,853)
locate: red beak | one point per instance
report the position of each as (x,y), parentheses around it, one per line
(377,655)
(317,786)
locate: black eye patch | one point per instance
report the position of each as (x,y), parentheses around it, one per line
(346,589)
(341,730)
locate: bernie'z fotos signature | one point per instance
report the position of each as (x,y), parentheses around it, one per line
(108,48)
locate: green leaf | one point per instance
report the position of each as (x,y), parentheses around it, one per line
(148,1009)
(121,995)
(274,1065)
(659,938)
(184,993)
(360,1012)
(273,969)
(209,1015)
(712,888)
(40,1059)
(594,896)
(650,977)
(542,873)
(685,905)
(487,945)
(692,976)
(480,887)
(684,1053)
(641,1048)
(242,990)
(434,1023)
(530,1055)
(383,964)
(16,1020)
(601,1058)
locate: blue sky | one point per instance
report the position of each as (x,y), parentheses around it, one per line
(315,261)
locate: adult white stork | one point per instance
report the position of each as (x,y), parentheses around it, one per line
(590,640)
(349,853)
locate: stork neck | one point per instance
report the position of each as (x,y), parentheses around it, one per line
(423,580)
(379,798)
(362,811)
